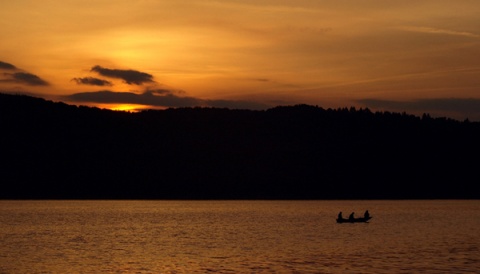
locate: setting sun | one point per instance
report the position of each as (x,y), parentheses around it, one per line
(125,107)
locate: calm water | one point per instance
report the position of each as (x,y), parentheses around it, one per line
(238,237)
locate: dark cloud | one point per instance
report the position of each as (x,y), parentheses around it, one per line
(8,66)
(92,81)
(158,91)
(25,78)
(147,98)
(128,76)
(457,108)
(159,98)
(19,76)
(163,91)
(261,80)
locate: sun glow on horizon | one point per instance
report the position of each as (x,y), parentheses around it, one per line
(117,107)
(127,107)
(317,52)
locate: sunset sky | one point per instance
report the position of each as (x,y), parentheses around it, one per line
(413,56)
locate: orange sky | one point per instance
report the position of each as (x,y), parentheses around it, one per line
(413,56)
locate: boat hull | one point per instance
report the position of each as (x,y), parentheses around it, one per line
(355,220)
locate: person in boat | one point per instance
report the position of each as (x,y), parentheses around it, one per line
(340,217)
(366,215)
(351,218)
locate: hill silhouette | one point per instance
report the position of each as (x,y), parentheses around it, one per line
(51,150)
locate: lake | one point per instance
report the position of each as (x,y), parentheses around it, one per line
(439,236)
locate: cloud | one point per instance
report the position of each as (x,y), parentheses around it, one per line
(25,78)
(439,31)
(457,108)
(157,98)
(7,66)
(128,76)
(20,76)
(147,98)
(92,81)
(261,80)
(161,91)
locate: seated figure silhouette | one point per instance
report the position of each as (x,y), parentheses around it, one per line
(366,215)
(340,217)
(351,218)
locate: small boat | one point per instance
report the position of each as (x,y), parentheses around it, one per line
(354,220)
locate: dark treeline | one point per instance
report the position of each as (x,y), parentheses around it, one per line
(53,150)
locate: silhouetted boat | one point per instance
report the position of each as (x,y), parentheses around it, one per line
(354,220)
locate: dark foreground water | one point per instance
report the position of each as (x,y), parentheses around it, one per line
(238,237)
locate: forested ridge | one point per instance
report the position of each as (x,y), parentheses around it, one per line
(51,150)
